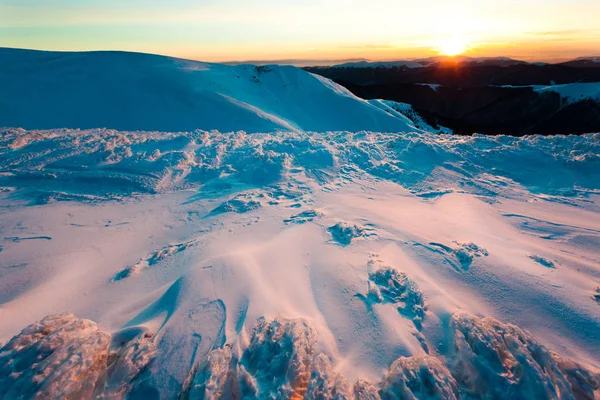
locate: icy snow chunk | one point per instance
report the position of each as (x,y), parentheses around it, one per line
(585,382)
(364,390)
(214,380)
(327,384)
(542,261)
(279,363)
(60,356)
(279,358)
(303,217)
(464,253)
(387,285)
(496,360)
(418,378)
(239,204)
(131,351)
(343,233)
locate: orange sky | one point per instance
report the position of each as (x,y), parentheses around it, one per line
(227,30)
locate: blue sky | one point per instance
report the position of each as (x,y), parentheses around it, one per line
(224,30)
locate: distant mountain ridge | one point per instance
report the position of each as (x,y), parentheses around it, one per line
(464,60)
(486,95)
(427,62)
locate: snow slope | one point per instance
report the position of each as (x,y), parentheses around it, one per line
(406,110)
(294,265)
(574,92)
(147,92)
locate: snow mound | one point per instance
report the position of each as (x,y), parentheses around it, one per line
(343,233)
(133,91)
(387,285)
(496,360)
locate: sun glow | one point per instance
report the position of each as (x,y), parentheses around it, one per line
(452,45)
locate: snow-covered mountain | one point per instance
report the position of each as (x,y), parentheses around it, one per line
(121,90)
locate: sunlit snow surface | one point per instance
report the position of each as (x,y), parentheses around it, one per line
(298,265)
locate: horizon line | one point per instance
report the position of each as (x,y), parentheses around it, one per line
(300,60)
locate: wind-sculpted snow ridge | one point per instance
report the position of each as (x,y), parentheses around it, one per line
(65,357)
(419,378)
(105,164)
(496,360)
(276,364)
(152,259)
(278,359)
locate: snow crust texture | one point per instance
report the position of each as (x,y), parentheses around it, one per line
(85,165)
(65,357)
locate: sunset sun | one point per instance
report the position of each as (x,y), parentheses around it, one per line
(452,46)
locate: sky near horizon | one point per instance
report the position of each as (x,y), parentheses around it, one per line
(229,30)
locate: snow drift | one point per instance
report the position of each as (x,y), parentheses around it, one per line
(134,91)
